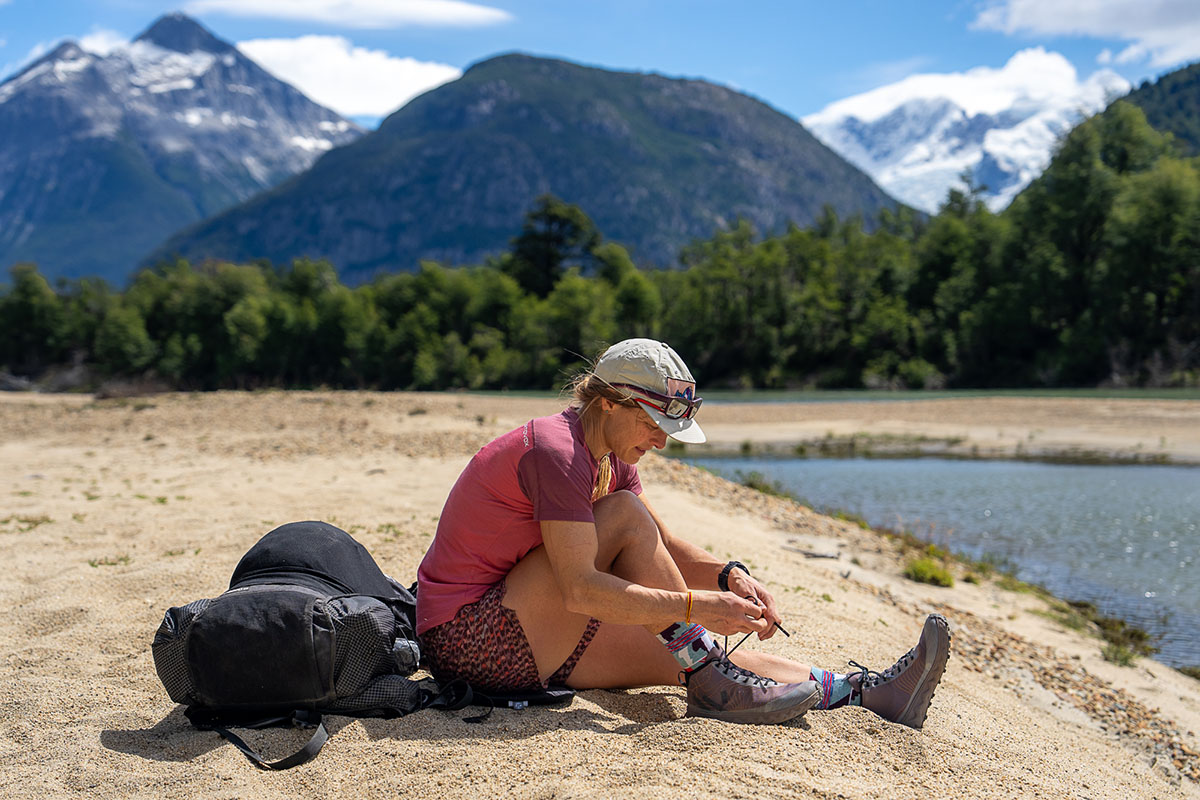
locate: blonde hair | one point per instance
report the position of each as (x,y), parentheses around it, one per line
(585,391)
(604,478)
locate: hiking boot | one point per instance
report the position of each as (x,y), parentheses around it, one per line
(901,693)
(719,689)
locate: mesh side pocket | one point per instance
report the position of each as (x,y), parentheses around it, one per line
(170,651)
(386,696)
(364,630)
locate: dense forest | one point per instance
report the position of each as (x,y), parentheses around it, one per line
(1091,277)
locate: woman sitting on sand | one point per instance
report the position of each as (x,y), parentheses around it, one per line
(550,567)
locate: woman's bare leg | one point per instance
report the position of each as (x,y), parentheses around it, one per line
(626,656)
(620,655)
(628,545)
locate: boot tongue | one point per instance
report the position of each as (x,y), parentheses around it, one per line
(734,672)
(899,666)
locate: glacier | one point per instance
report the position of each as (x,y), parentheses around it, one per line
(919,136)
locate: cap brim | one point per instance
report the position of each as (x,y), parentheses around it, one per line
(682,430)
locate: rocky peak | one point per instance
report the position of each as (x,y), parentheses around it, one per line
(182,34)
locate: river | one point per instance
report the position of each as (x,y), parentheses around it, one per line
(1126,538)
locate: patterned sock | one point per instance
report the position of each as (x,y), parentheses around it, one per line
(688,642)
(836,689)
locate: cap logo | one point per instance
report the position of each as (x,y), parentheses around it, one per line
(680,388)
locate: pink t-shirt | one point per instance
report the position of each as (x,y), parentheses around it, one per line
(541,471)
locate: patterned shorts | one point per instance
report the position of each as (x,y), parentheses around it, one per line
(485,645)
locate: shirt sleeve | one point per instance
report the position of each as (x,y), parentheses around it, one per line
(557,476)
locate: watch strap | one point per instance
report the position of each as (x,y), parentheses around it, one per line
(723,578)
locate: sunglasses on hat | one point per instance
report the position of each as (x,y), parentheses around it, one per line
(669,407)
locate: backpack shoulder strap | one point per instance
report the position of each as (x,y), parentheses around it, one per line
(207,721)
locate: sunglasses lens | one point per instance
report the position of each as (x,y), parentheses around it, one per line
(670,407)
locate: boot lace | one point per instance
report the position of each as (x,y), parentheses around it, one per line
(730,669)
(869,678)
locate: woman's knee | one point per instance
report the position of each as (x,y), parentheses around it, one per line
(621,517)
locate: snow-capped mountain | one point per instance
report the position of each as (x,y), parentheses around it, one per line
(104,156)
(917,137)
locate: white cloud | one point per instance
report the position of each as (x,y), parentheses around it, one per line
(1167,31)
(353,81)
(1131,54)
(361,13)
(1032,77)
(102,42)
(1105,56)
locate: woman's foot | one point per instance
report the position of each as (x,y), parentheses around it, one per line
(719,689)
(902,692)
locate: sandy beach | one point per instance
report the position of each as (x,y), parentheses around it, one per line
(115,510)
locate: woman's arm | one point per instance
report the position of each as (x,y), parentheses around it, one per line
(700,569)
(572,548)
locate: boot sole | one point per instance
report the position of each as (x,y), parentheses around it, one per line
(917,709)
(760,716)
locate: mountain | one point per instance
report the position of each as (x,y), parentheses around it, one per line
(917,137)
(1172,105)
(656,162)
(102,157)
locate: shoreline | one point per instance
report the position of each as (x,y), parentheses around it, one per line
(1075,430)
(885,446)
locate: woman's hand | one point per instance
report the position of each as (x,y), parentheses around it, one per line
(743,585)
(727,614)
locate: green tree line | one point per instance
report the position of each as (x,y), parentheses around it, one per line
(1091,276)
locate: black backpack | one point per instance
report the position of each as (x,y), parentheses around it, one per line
(309,625)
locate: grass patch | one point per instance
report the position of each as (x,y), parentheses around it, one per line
(389,530)
(1118,654)
(926,570)
(108,562)
(25,524)
(1011,583)
(909,541)
(1191,672)
(990,563)
(1124,642)
(1118,632)
(1065,615)
(851,517)
(758,482)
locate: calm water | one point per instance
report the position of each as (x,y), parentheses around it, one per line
(1127,538)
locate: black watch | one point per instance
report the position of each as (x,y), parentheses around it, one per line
(723,578)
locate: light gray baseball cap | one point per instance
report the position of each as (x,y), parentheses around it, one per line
(654,367)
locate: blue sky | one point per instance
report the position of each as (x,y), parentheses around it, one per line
(366,57)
